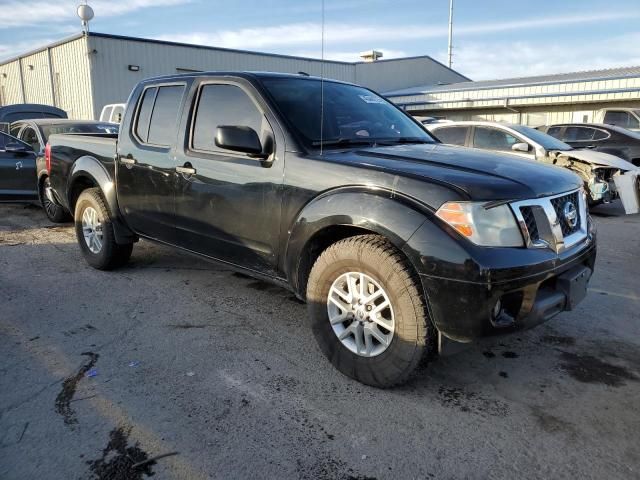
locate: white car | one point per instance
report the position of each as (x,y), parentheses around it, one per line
(112,112)
(596,169)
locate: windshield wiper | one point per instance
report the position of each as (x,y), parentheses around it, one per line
(346,142)
(401,140)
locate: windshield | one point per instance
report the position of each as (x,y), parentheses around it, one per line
(544,140)
(78,128)
(352,115)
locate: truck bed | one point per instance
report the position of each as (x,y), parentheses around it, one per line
(67,149)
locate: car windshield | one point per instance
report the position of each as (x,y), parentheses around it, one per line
(78,128)
(352,115)
(544,140)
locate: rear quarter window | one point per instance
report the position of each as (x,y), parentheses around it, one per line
(144,113)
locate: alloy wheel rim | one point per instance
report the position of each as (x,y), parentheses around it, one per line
(92,229)
(49,206)
(361,314)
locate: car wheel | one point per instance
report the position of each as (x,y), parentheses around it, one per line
(94,231)
(368,312)
(54,211)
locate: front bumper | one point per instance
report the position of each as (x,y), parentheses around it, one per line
(465,310)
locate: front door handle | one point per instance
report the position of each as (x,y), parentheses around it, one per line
(186,170)
(128,160)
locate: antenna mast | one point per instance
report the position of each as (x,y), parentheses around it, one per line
(322,85)
(450,33)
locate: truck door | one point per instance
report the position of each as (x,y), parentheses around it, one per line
(228,204)
(146,168)
(18,179)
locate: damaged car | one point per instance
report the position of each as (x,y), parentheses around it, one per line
(597,169)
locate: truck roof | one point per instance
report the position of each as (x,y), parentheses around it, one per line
(249,75)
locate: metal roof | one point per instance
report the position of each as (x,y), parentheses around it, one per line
(588,75)
(207,47)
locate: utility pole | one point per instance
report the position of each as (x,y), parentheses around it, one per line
(450,33)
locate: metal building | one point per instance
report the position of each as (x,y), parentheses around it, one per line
(82,73)
(568,97)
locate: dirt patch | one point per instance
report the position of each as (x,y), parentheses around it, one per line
(550,423)
(118,457)
(69,386)
(471,402)
(589,369)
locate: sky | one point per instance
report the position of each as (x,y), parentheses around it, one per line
(492,38)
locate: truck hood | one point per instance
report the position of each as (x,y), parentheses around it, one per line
(598,159)
(480,175)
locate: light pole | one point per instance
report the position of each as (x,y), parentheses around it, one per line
(450,33)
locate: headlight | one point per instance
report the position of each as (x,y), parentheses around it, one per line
(489,227)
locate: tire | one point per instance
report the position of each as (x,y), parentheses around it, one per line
(54,212)
(108,254)
(383,267)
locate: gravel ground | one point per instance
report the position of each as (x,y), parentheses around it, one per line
(101,370)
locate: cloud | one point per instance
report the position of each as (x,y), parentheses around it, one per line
(19,48)
(491,60)
(33,12)
(300,34)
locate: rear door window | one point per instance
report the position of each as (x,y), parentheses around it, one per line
(579,134)
(164,119)
(493,139)
(452,135)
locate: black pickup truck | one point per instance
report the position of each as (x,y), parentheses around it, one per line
(394,240)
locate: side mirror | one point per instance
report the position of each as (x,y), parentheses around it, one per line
(520,147)
(16,148)
(240,139)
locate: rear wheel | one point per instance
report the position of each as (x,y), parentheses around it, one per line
(94,231)
(368,311)
(53,210)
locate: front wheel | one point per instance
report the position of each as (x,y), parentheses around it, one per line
(368,312)
(94,231)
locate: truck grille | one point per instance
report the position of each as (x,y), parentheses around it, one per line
(558,205)
(545,224)
(530,222)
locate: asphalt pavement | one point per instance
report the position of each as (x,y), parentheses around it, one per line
(175,356)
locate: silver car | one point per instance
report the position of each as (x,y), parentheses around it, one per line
(596,169)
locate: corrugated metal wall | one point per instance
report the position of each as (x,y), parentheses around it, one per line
(57,76)
(10,89)
(72,79)
(533,115)
(112,81)
(386,75)
(35,74)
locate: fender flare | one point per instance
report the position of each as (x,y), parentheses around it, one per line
(375,210)
(90,168)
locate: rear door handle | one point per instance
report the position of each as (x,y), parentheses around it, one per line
(186,170)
